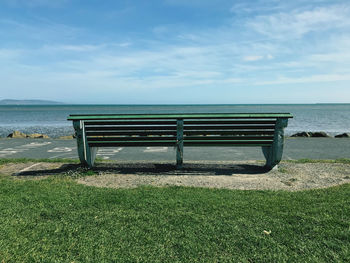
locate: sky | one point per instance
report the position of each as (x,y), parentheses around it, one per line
(175,51)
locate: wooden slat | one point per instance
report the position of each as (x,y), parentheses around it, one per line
(229,127)
(132,144)
(189,138)
(178,116)
(228,132)
(186,128)
(229,141)
(130,128)
(220,144)
(128,138)
(220,138)
(173,133)
(221,122)
(186,143)
(130,122)
(140,133)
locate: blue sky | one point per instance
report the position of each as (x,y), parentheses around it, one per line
(175,51)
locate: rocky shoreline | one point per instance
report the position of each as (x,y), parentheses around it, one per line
(319,135)
(21,135)
(18,134)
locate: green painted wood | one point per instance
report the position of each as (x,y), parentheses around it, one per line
(128,138)
(218,144)
(130,128)
(78,127)
(224,138)
(273,153)
(173,122)
(127,122)
(188,141)
(133,144)
(179,130)
(186,133)
(222,122)
(228,132)
(178,116)
(90,152)
(230,127)
(130,133)
(179,143)
(173,144)
(186,128)
(185,138)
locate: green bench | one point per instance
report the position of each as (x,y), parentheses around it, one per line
(178,130)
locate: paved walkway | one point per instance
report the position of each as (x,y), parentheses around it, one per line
(295,148)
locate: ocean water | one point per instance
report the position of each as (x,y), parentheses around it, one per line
(52,119)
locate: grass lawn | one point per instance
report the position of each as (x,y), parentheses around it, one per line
(58,220)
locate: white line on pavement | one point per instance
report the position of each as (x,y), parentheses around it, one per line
(60,150)
(155,149)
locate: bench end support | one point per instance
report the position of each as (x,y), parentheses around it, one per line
(273,153)
(87,155)
(179,143)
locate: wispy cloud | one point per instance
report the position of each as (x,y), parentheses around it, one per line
(73,48)
(252,58)
(297,23)
(42,30)
(172,59)
(308,79)
(34,3)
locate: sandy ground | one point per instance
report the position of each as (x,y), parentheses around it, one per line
(246,175)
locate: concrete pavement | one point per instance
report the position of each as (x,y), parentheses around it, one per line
(295,148)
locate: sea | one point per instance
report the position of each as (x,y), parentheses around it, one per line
(52,119)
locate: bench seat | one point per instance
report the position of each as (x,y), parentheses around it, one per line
(178,130)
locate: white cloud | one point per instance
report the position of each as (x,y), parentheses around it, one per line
(257,57)
(73,48)
(35,3)
(42,30)
(295,24)
(184,60)
(252,58)
(307,79)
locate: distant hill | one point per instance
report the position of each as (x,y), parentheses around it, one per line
(29,102)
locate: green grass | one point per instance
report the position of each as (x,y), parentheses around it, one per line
(45,160)
(58,220)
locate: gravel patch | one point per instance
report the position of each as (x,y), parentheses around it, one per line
(249,175)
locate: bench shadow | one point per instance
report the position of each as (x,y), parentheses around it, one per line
(144,169)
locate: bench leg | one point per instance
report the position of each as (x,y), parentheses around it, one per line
(179,157)
(272,156)
(86,154)
(91,156)
(179,143)
(273,153)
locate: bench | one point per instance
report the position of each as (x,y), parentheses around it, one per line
(178,130)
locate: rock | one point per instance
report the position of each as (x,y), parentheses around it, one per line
(17,134)
(68,137)
(343,135)
(319,134)
(310,134)
(37,136)
(302,134)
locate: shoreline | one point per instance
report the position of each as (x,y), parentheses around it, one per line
(19,134)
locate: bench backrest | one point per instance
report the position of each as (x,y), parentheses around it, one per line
(213,129)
